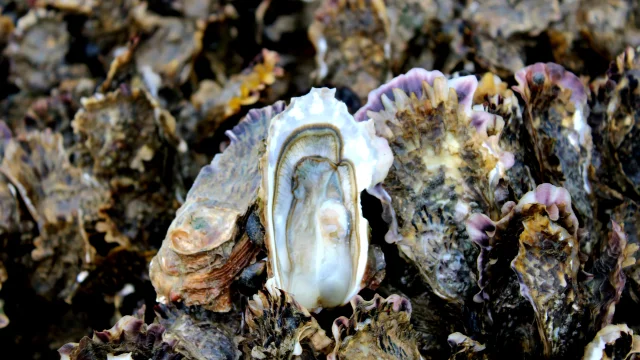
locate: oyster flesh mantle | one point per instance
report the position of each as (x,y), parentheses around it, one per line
(318,160)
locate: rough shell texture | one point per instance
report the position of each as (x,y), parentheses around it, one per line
(318,160)
(379,328)
(447,164)
(128,142)
(463,347)
(555,115)
(129,338)
(348,53)
(199,334)
(614,342)
(37,51)
(171,49)
(63,202)
(280,328)
(205,246)
(542,219)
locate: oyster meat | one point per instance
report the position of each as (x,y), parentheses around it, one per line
(317,162)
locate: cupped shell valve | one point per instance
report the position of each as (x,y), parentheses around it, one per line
(318,160)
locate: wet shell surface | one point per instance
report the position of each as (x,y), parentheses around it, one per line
(448,164)
(206,245)
(318,160)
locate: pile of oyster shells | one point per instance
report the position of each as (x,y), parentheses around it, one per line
(398,186)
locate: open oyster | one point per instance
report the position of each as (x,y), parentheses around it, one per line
(318,160)
(379,328)
(206,245)
(448,164)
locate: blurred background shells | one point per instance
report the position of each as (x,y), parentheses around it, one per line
(130,213)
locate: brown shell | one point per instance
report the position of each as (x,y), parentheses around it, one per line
(206,245)
(62,200)
(351,38)
(280,328)
(379,328)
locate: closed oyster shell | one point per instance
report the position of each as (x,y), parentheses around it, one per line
(379,328)
(318,160)
(129,338)
(37,51)
(537,238)
(280,328)
(171,49)
(448,164)
(555,116)
(63,202)
(205,246)
(352,44)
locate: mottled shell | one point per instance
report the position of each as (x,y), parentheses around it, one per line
(448,164)
(280,328)
(379,328)
(317,162)
(555,116)
(205,246)
(537,238)
(352,41)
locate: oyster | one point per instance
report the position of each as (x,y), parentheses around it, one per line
(351,38)
(129,143)
(37,51)
(614,342)
(317,162)
(464,347)
(206,245)
(448,164)
(171,49)
(379,328)
(537,238)
(62,201)
(129,338)
(280,328)
(555,116)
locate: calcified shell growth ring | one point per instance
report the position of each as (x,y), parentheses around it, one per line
(319,159)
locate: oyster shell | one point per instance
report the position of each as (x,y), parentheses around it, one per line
(280,328)
(537,238)
(129,338)
(318,160)
(63,202)
(206,247)
(614,342)
(556,118)
(379,328)
(351,38)
(448,164)
(464,347)
(37,51)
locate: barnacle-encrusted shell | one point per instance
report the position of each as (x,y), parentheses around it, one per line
(379,329)
(281,328)
(318,160)
(448,164)
(205,247)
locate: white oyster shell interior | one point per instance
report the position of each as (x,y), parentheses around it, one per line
(318,161)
